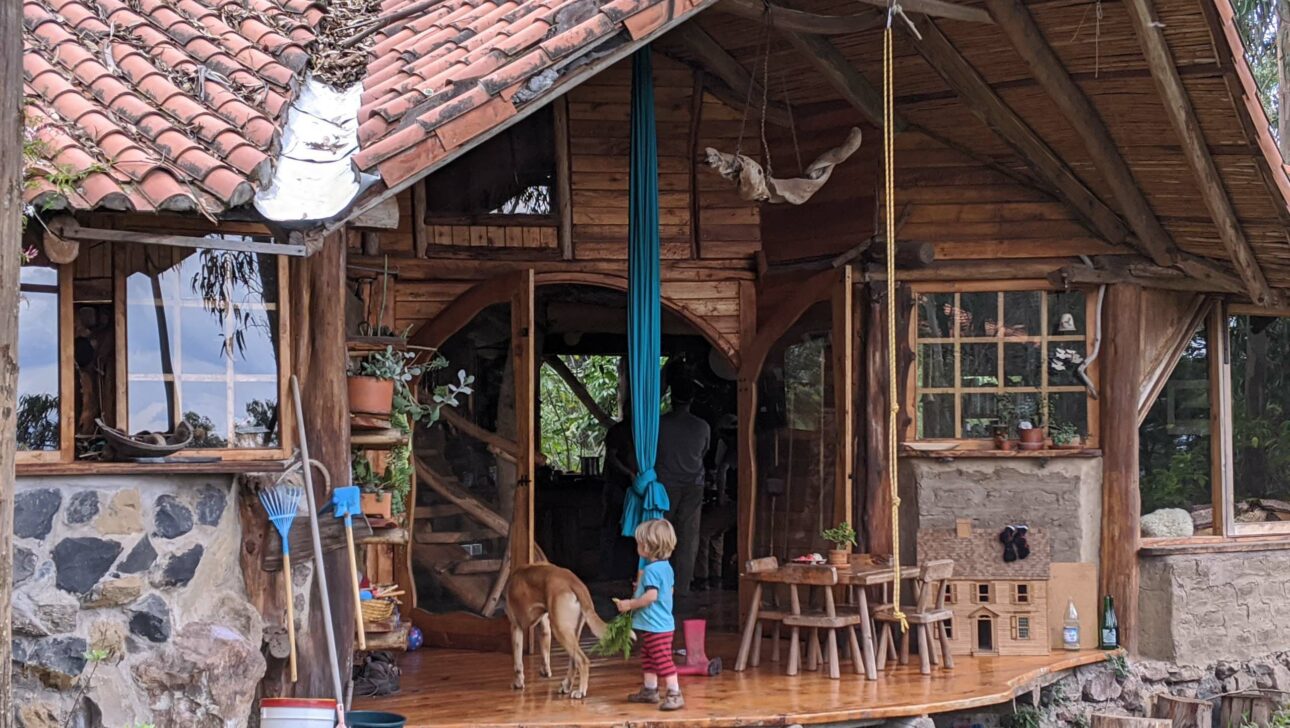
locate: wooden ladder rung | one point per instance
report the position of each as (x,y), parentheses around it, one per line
(478,566)
(454,536)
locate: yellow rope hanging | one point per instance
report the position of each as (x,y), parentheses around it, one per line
(889,164)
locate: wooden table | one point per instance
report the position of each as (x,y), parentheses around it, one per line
(863,573)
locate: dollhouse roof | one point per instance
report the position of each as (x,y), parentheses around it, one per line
(979,556)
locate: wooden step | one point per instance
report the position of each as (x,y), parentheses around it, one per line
(478,566)
(445,510)
(391,536)
(395,640)
(455,536)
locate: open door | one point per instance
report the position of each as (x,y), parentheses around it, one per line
(797,390)
(468,540)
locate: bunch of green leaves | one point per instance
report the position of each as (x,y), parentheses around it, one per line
(1022,718)
(618,637)
(387,363)
(569,431)
(1063,433)
(842,536)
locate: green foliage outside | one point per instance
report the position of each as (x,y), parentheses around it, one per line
(1258,24)
(568,429)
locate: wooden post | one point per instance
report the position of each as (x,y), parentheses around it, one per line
(563,176)
(525,365)
(1121,501)
(11,233)
(1184,712)
(877,511)
(843,394)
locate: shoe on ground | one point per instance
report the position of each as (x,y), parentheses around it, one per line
(645,695)
(673,701)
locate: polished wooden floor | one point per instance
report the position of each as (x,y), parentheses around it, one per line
(451,688)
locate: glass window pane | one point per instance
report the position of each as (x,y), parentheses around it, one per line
(145,330)
(979,313)
(936,365)
(936,416)
(1064,360)
(255,414)
(1173,454)
(1022,365)
(1068,410)
(934,311)
(201,342)
(980,366)
(1260,346)
(253,350)
(979,415)
(149,406)
(1066,313)
(205,406)
(38,370)
(1021,313)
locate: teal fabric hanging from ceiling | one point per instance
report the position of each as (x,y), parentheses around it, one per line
(646,499)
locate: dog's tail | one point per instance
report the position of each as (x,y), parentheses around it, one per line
(594,621)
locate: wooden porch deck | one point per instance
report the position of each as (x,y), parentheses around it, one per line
(457,688)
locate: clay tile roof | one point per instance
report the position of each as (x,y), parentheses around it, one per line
(153,105)
(449,74)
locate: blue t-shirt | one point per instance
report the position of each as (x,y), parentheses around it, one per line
(656,617)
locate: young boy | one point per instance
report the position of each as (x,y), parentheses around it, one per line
(652,604)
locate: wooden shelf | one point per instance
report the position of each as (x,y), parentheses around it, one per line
(907,452)
(378,439)
(92,467)
(394,641)
(391,536)
(361,345)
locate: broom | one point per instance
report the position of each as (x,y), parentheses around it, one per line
(282,502)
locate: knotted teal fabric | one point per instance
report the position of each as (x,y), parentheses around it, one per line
(646,499)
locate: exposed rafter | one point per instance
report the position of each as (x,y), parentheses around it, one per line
(782,18)
(729,81)
(1021,30)
(939,9)
(825,57)
(982,100)
(1182,114)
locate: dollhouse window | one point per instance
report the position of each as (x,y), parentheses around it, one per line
(982,594)
(1021,628)
(989,360)
(1021,594)
(949,628)
(950,594)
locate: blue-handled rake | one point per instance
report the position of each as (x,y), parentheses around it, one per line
(348,501)
(282,503)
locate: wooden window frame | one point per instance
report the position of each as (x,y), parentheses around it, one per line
(913,390)
(951,593)
(66,451)
(976,593)
(1017,594)
(286,415)
(1017,620)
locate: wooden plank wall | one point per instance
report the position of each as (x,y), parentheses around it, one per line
(702,268)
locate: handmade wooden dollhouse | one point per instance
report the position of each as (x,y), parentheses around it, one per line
(1000,607)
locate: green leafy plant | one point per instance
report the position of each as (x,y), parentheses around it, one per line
(618,637)
(1063,433)
(1119,666)
(843,536)
(94,657)
(1022,718)
(1005,408)
(387,363)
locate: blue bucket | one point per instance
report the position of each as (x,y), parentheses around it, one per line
(374,719)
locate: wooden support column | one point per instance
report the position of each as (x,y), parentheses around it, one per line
(1179,108)
(523,357)
(877,510)
(843,344)
(318,286)
(11,232)
(1121,501)
(563,176)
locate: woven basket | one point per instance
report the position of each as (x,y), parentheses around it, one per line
(378,610)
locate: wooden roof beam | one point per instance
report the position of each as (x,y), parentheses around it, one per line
(1182,114)
(1019,26)
(782,18)
(825,58)
(730,81)
(984,103)
(939,9)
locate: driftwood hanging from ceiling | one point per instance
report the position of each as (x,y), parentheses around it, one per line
(756,186)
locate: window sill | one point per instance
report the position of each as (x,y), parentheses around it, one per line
(223,467)
(1213,545)
(909,452)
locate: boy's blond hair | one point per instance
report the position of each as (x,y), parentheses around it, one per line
(656,538)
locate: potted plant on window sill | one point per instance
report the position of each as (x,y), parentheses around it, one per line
(843,537)
(1065,436)
(1006,410)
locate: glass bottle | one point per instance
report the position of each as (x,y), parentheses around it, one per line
(1070,630)
(1110,625)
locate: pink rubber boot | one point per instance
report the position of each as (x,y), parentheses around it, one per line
(696,656)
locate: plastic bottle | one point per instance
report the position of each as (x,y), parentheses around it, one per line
(1070,631)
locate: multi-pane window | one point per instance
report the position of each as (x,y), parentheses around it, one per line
(1021,628)
(1021,593)
(40,431)
(982,593)
(202,345)
(949,628)
(987,358)
(951,595)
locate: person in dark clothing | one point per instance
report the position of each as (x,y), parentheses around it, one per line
(620,470)
(682,444)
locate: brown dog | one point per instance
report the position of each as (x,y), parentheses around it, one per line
(557,601)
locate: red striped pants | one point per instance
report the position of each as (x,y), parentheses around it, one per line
(656,653)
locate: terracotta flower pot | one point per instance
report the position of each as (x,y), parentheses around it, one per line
(378,505)
(1032,439)
(371,396)
(839,557)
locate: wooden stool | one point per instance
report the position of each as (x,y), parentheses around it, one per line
(927,620)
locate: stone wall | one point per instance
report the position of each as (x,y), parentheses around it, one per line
(1063,496)
(1200,607)
(129,605)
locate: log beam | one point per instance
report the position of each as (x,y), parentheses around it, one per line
(1143,274)
(1121,502)
(11,210)
(732,83)
(939,9)
(1024,34)
(579,390)
(984,103)
(797,21)
(1182,114)
(820,53)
